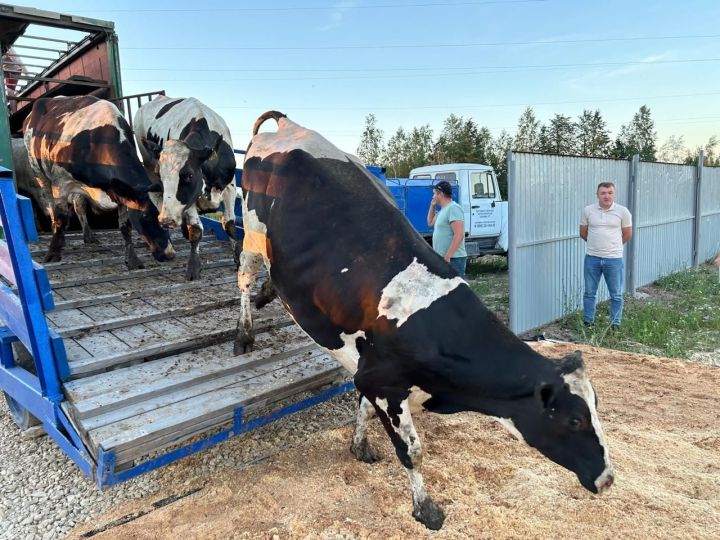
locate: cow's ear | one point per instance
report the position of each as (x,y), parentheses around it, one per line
(545,394)
(152,147)
(571,363)
(154,187)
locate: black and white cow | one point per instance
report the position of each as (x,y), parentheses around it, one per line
(358,279)
(81,147)
(187,146)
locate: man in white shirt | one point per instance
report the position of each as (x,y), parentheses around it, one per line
(606,227)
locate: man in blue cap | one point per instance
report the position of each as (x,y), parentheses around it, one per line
(448,238)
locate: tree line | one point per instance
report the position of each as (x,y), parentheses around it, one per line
(463,140)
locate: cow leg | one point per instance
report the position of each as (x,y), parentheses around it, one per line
(131,259)
(407,447)
(249,265)
(193,231)
(266,295)
(360,447)
(228,199)
(59,217)
(79,203)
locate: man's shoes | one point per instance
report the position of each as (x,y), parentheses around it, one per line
(615,328)
(588,324)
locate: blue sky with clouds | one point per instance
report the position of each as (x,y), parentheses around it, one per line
(414,62)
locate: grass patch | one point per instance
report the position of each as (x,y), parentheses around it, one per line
(489,264)
(677,324)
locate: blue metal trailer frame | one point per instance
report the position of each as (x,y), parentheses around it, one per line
(22,309)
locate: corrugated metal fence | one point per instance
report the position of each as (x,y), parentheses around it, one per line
(547,194)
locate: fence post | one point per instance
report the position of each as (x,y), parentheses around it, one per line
(631,270)
(512,240)
(698,209)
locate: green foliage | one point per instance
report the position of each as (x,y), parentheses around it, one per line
(682,317)
(371,143)
(527,137)
(593,137)
(637,137)
(558,137)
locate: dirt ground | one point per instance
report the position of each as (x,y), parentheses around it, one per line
(661,417)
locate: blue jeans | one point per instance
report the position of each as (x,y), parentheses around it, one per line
(459,264)
(614,272)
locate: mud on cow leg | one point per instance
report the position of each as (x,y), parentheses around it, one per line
(59,216)
(266,295)
(131,259)
(236,246)
(193,233)
(402,433)
(360,447)
(249,266)
(79,203)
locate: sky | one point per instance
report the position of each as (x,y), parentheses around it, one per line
(327,65)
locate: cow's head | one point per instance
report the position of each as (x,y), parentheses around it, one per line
(218,171)
(181,175)
(146,223)
(561,421)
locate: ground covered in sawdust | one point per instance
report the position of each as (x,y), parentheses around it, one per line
(661,417)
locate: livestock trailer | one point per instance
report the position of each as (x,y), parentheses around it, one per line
(126,370)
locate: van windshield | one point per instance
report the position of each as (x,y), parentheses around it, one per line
(482,185)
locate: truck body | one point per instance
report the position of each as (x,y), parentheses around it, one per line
(475,189)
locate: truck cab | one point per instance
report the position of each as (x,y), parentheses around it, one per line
(479,196)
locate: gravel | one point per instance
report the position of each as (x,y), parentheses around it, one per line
(43,494)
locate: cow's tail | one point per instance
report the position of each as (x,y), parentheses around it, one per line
(275,115)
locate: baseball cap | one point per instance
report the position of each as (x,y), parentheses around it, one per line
(444,186)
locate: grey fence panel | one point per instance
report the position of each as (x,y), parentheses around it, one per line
(709,244)
(664,220)
(546,196)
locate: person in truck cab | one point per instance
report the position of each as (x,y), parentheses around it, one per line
(448,238)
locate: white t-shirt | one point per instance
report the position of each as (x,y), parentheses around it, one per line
(605,229)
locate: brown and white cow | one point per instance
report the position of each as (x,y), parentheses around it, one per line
(81,147)
(358,279)
(186,146)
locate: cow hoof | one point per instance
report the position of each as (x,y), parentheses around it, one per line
(429,514)
(90,239)
(364,453)
(192,273)
(242,345)
(53,256)
(133,263)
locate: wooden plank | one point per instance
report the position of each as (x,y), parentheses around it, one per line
(118,260)
(98,345)
(137,335)
(149,426)
(68,317)
(191,341)
(225,419)
(96,395)
(143,292)
(170,329)
(135,274)
(147,315)
(75,351)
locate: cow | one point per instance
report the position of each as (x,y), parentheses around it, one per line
(81,147)
(356,277)
(186,146)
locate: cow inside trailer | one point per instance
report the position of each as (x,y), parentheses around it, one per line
(127,371)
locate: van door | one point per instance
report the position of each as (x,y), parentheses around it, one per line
(485,216)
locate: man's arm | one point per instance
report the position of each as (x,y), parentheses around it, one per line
(626,234)
(583,232)
(458,229)
(432,215)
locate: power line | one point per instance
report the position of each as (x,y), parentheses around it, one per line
(314,8)
(646,99)
(431,46)
(519,67)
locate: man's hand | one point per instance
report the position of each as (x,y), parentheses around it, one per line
(717,261)
(447,258)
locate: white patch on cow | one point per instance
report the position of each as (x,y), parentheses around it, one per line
(348,355)
(579,384)
(510,427)
(290,136)
(344,270)
(417,399)
(100,113)
(173,158)
(412,290)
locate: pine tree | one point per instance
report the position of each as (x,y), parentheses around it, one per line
(419,148)
(637,137)
(498,158)
(527,138)
(457,141)
(395,158)
(559,136)
(673,150)
(592,136)
(371,143)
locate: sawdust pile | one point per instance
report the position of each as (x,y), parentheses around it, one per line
(661,417)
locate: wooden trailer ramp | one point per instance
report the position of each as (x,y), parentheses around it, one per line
(150,354)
